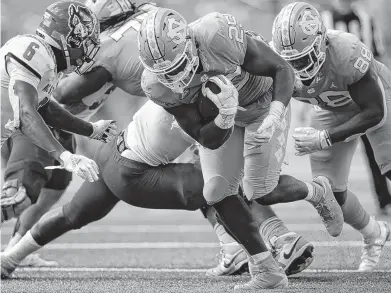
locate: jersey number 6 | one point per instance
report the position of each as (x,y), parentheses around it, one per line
(362,62)
(233,31)
(30,51)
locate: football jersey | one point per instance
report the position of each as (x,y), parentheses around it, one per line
(154,137)
(222,46)
(347,61)
(119,53)
(35,57)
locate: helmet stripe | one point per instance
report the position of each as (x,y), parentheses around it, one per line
(151,37)
(285,27)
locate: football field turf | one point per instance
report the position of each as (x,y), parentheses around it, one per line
(137,250)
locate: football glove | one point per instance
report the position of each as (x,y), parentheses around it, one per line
(309,140)
(226,101)
(269,125)
(82,166)
(104,130)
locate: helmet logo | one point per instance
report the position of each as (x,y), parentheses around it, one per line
(310,24)
(176,31)
(82,25)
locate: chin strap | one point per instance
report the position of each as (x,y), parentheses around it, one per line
(66,52)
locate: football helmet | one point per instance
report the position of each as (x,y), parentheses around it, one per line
(299,36)
(72,28)
(107,8)
(167,48)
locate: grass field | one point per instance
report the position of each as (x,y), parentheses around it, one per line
(136,250)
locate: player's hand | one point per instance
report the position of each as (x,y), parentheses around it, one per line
(104,130)
(226,100)
(309,140)
(269,125)
(82,166)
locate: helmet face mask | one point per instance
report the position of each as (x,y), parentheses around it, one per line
(299,36)
(74,29)
(167,49)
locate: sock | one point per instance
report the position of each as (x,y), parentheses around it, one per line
(371,230)
(15,239)
(259,257)
(354,213)
(272,227)
(23,248)
(222,235)
(313,196)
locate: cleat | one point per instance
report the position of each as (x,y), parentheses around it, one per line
(292,253)
(385,210)
(232,260)
(327,207)
(34,260)
(373,248)
(264,275)
(8,266)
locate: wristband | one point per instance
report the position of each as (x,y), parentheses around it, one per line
(325,140)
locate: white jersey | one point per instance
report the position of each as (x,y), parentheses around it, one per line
(154,137)
(27,58)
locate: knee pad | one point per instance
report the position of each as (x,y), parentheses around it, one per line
(31,174)
(216,189)
(14,199)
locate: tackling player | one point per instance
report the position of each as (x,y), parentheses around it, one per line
(179,59)
(66,38)
(351,92)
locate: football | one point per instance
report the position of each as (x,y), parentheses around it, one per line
(206,107)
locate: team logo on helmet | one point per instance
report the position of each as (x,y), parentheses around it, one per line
(310,24)
(177,31)
(82,25)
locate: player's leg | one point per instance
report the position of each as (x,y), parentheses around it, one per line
(91,202)
(261,176)
(24,177)
(49,195)
(334,163)
(222,171)
(380,139)
(379,181)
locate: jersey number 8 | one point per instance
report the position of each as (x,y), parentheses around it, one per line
(233,31)
(362,62)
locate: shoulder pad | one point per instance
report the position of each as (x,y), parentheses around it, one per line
(31,52)
(222,42)
(350,57)
(157,92)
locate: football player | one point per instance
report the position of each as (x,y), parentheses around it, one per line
(117,64)
(66,38)
(351,92)
(178,60)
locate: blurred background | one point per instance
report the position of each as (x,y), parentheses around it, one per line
(21,16)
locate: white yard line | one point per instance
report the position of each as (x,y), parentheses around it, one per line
(166,270)
(175,245)
(176,229)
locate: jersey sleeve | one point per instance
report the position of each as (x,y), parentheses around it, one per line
(157,92)
(356,58)
(17,71)
(32,54)
(225,42)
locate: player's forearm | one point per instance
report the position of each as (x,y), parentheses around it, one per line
(283,83)
(212,137)
(58,117)
(358,124)
(33,126)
